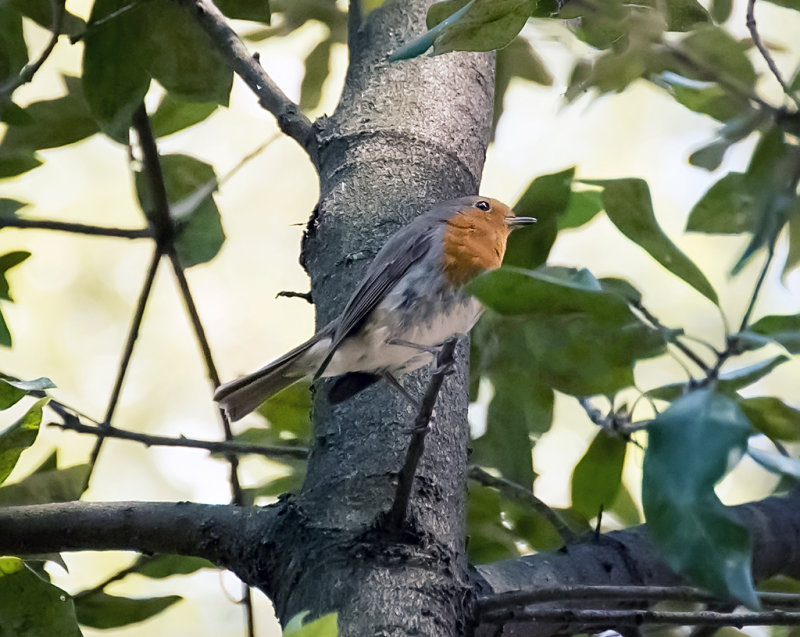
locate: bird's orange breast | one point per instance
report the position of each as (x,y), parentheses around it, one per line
(472,244)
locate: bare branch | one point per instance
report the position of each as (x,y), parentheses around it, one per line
(627,593)
(29,70)
(405,479)
(78,228)
(290,120)
(71,423)
(610,618)
(751,26)
(526,497)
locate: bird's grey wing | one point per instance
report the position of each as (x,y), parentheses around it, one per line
(381,276)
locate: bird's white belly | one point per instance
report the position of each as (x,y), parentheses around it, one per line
(371,351)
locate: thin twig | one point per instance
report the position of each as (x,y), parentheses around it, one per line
(290,120)
(684,349)
(133,334)
(29,70)
(620,593)
(761,277)
(212,446)
(78,228)
(751,26)
(593,617)
(518,493)
(289,294)
(405,479)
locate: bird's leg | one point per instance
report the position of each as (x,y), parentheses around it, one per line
(430,349)
(392,380)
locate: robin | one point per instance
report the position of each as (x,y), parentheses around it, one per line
(410,300)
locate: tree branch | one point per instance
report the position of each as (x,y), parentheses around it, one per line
(71,423)
(751,26)
(290,120)
(230,536)
(78,228)
(405,480)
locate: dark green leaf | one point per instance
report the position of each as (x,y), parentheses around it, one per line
(479,25)
(12,390)
(600,25)
(18,437)
(13,115)
(711,100)
(53,123)
(789,4)
(13,50)
(256,10)
(793,256)
(17,162)
(173,115)
(583,207)
(41,12)
(719,56)
(628,206)
(728,207)
(730,382)
(625,508)
(772,417)
(289,410)
(317,69)
(689,448)
(785,329)
(189,184)
(275,487)
(682,15)
(9,207)
(166,565)
(5,334)
(101,610)
(62,485)
(546,198)
(513,291)
(179,53)
(488,539)
(114,79)
(31,606)
(721,10)
(8,261)
(598,475)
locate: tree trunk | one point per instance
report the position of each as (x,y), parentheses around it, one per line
(404,136)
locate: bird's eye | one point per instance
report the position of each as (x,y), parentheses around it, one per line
(483,205)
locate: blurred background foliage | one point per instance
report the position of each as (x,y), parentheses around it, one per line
(658,291)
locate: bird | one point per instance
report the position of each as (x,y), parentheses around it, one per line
(411,299)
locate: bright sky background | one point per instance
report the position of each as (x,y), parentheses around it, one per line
(75,296)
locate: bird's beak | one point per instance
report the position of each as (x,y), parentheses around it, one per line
(519,222)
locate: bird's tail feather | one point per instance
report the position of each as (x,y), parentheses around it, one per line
(241,396)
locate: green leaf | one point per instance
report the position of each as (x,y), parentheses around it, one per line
(275,487)
(546,198)
(772,417)
(788,4)
(5,334)
(9,207)
(52,123)
(488,539)
(479,25)
(8,261)
(730,382)
(255,10)
(12,390)
(18,437)
(31,606)
(513,291)
(114,80)
(12,114)
(179,53)
(721,10)
(785,329)
(682,15)
(317,66)
(62,485)
(41,12)
(775,462)
(167,565)
(289,410)
(13,50)
(719,55)
(728,207)
(712,100)
(629,207)
(325,626)
(597,477)
(101,610)
(689,448)
(189,183)
(17,162)
(583,207)
(173,115)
